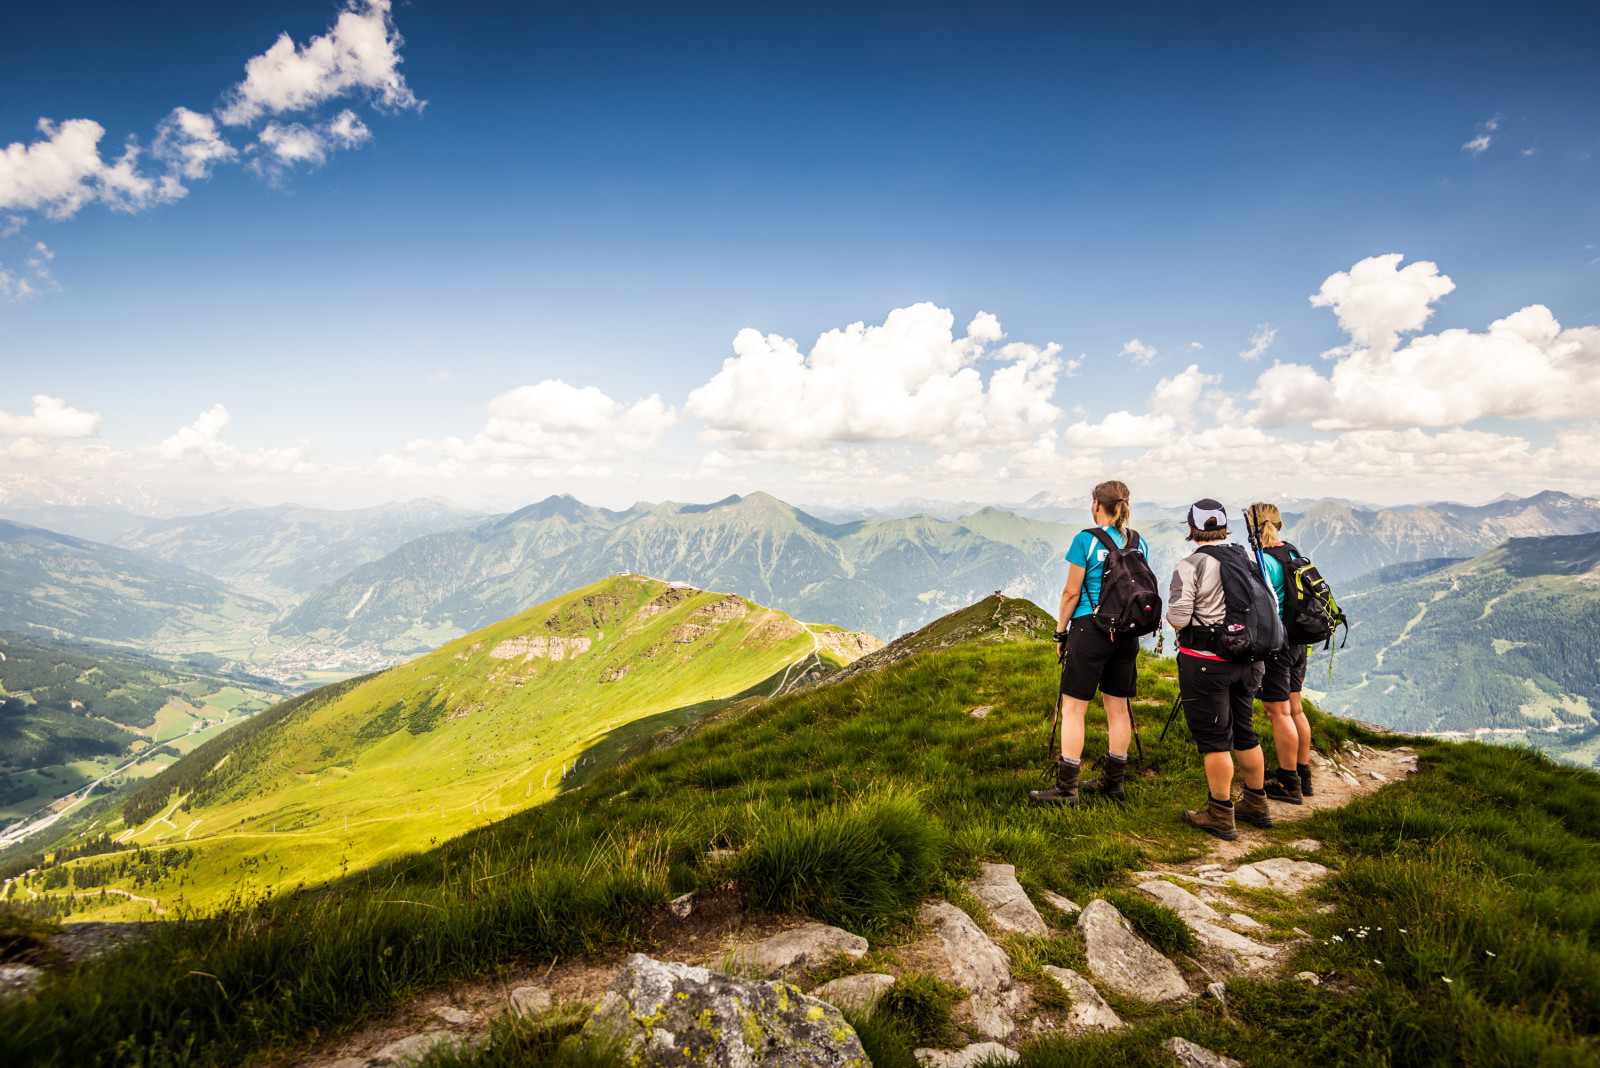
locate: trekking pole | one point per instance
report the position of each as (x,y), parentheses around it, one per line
(1135,725)
(1055,716)
(1176,702)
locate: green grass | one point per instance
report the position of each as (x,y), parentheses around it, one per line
(849,803)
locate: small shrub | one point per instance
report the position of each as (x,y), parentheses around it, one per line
(921,1005)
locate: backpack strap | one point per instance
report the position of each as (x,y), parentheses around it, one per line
(1104,539)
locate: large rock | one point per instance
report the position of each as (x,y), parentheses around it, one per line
(1279,873)
(980,1053)
(1124,962)
(980,966)
(1192,1056)
(1009,908)
(530,1000)
(1089,1009)
(415,1048)
(19,980)
(668,1014)
(856,992)
(1179,900)
(799,950)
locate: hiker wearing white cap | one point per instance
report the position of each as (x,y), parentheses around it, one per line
(1217,691)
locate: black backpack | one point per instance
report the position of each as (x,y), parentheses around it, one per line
(1310,613)
(1251,630)
(1130,597)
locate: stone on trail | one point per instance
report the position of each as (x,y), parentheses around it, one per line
(1278,873)
(413,1049)
(1059,903)
(1349,778)
(855,992)
(453,1016)
(668,1014)
(1179,900)
(682,905)
(979,967)
(1009,908)
(1123,961)
(1192,1056)
(1378,775)
(979,1053)
(530,1000)
(799,950)
(1239,919)
(1089,1009)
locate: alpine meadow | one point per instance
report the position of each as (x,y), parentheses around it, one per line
(757,536)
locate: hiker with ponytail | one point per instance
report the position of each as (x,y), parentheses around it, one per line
(1109,600)
(1285,674)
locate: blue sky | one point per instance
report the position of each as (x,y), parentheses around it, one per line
(606,195)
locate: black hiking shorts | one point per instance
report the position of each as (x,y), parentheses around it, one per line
(1095,662)
(1219,698)
(1286,674)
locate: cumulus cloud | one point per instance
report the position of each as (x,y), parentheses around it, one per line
(1483,136)
(190,144)
(361,53)
(1141,354)
(1525,366)
(910,381)
(556,421)
(63,170)
(51,418)
(287,145)
(200,444)
(1260,341)
(1376,300)
(1171,405)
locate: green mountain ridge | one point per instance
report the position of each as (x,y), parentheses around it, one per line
(1504,640)
(496,721)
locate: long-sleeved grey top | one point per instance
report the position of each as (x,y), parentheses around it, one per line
(1196,594)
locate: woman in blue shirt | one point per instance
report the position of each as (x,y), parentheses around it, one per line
(1091,659)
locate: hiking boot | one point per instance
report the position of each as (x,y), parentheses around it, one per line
(1215,819)
(1064,792)
(1252,809)
(1285,787)
(1305,780)
(1109,784)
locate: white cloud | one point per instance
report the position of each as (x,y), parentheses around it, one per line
(1260,341)
(909,381)
(1483,137)
(289,144)
(1171,405)
(63,171)
(190,144)
(200,443)
(1525,366)
(360,53)
(1376,301)
(51,418)
(555,421)
(1142,355)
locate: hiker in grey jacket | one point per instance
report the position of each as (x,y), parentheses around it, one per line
(1218,695)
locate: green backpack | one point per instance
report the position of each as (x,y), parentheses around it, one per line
(1310,613)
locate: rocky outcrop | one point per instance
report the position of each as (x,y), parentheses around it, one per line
(1061,904)
(855,992)
(541,647)
(1192,1056)
(675,1015)
(1123,961)
(1236,951)
(1009,908)
(799,950)
(979,1053)
(1279,873)
(979,967)
(1089,1009)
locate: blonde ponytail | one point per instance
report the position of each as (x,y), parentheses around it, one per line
(1268,522)
(1112,497)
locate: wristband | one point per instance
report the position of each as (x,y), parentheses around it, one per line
(1061,636)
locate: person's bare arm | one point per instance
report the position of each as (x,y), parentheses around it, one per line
(1069,601)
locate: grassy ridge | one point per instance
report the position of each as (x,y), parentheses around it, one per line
(851,804)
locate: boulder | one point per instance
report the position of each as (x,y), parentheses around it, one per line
(1237,950)
(414,1048)
(1123,961)
(1060,904)
(1009,908)
(855,992)
(799,950)
(453,1016)
(980,1053)
(979,966)
(668,1014)
(19,980)
(530,1000)
(1192,1056)
(1179,900)
(1089,1009)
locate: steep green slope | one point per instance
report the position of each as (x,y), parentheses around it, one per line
(61,586)
(1505,640)
(494,722)
(286,551)
(854,803)
(882,577)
